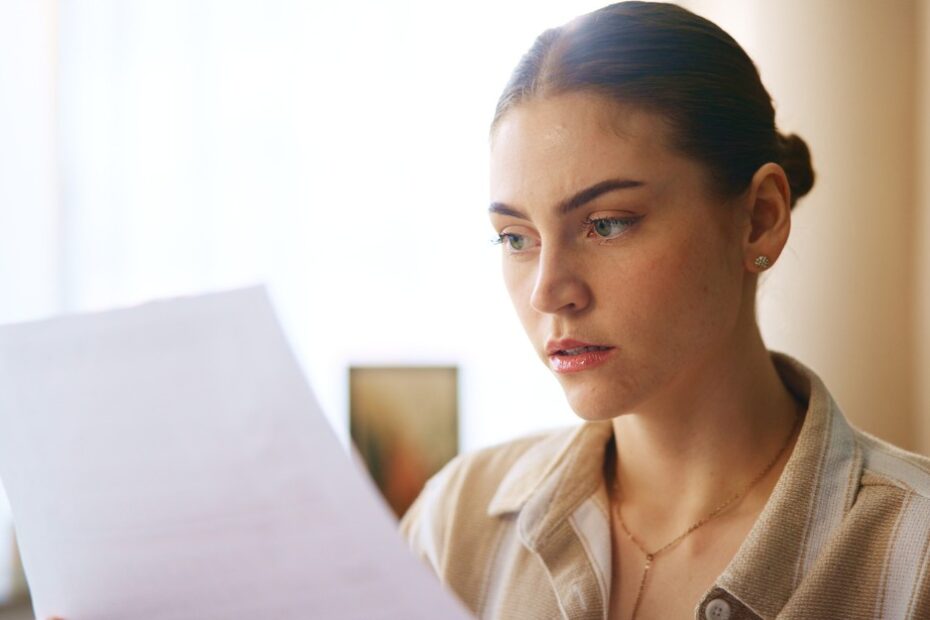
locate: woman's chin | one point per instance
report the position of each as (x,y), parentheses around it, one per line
(601,399)
(592,409)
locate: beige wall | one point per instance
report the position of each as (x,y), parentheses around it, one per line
(922,367)
(844,296)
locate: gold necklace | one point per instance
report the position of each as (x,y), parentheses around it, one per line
(651,556)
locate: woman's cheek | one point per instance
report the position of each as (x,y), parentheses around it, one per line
(519,279)
(514,280)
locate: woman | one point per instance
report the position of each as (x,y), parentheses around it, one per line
(639,187)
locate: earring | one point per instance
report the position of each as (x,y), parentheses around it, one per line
(763,262)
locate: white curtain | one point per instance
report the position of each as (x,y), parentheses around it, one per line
(334,150)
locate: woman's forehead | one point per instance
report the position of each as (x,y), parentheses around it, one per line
(567,140)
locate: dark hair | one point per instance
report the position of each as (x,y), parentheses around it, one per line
(665,58)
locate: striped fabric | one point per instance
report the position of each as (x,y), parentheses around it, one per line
(521,530)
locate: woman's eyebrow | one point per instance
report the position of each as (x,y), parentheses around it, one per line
(579,199)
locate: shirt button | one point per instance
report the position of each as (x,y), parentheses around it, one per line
(717,609)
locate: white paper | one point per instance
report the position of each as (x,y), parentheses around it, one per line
(170,461)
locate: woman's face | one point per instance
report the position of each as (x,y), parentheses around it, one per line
(612,238)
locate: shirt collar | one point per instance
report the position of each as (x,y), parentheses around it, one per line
(814,492)
(546,489)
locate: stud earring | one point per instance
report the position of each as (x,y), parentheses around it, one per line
(763,262)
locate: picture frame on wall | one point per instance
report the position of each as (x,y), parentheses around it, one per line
(404,423)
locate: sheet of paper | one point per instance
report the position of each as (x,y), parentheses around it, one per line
(169,461)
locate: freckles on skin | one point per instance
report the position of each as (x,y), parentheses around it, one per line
(695,280)
(661,305)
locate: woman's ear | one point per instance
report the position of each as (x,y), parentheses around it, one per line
(768,209)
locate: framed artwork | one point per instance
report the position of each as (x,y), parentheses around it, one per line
(404,423)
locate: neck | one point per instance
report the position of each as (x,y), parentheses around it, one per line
(705,438)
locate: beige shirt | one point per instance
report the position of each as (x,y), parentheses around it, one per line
(521,530)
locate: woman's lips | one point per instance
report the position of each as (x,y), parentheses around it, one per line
(578,359)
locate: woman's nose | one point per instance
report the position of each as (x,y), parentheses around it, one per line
(559,285)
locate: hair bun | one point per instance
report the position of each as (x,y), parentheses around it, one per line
(795,158)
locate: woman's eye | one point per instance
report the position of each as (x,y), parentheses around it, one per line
(514,242)
(610,227)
